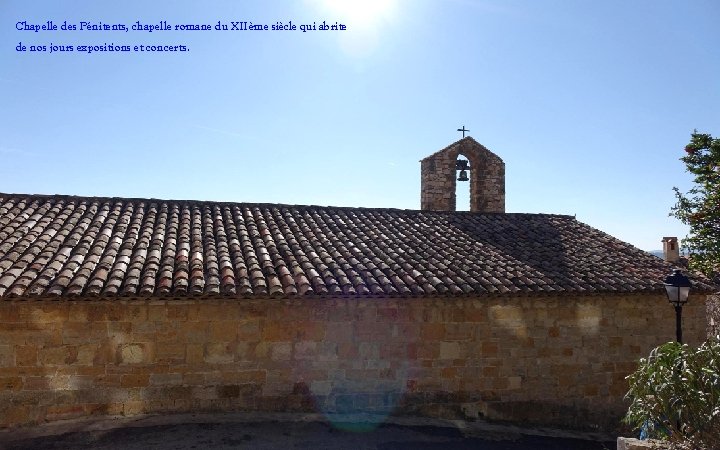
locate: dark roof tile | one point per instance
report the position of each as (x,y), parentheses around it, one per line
(73,246)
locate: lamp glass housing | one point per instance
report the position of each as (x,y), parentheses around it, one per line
(677,287)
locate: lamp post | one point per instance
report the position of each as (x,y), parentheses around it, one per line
(677,286)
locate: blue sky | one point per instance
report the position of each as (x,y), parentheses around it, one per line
(589,103)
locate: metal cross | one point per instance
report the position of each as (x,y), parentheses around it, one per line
(463,130)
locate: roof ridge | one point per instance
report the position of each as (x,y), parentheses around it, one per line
(265,204)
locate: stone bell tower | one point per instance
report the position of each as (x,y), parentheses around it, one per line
(486,174)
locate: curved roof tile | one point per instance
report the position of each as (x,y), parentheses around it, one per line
(81,246)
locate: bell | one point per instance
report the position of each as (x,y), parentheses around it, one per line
(463,176)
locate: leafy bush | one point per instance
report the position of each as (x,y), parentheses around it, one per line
(675,394)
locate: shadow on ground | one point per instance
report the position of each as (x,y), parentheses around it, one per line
(298,435)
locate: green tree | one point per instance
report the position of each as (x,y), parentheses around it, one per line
(700,206)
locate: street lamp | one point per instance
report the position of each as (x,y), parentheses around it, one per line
(677,286)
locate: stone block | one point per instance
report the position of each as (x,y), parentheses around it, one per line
(450,350)
(205,392)
(378,364)
(369,350)
(166,379)
(514,382)
(346,351)
(490,372)
(157,313)
(305,350)
(86,354)
(120,331)
(366,313)
(165,332)
(624,443)
(432,331)
(49,314)
(137,353)
(78,312)
(133,408)
(29,333)
(281,351)
(428,350)
(228,391)
(249,330)
(405,332)
(11,383)
(388,314)
(194,354)
(223,331)
(172,353)
(84,332)
(262,350)
(338,332)
(459,331)
(134,313)
(135,380)
(219,353)
(393,351)
(7,355)
(37,383)
(218,311)
(193,379)
(177,313)
(341,313)
(81,382)
(106,353)
(143,331)
(13,313)
(25,355)
(107,380)
(309,331)
(61,412)
(251,376)
(507,314)
(277,332)
(321,387)
(489,349)
(591,390)
(245,351)
(214,376)
(193,332)
(54,356)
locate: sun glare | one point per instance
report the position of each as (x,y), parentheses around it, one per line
(364,19)
(363,11)
(360,13)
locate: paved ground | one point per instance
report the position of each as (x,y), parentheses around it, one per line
(306,432)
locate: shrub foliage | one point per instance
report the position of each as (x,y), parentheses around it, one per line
(675,394)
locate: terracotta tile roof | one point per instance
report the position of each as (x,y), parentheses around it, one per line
(64,246)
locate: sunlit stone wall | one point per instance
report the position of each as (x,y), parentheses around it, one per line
(542,360)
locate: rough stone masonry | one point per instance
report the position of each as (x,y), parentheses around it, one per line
(557,361)
(487,178)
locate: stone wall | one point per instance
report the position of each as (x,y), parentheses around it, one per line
(487,178)
(559,361)
(713,314)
